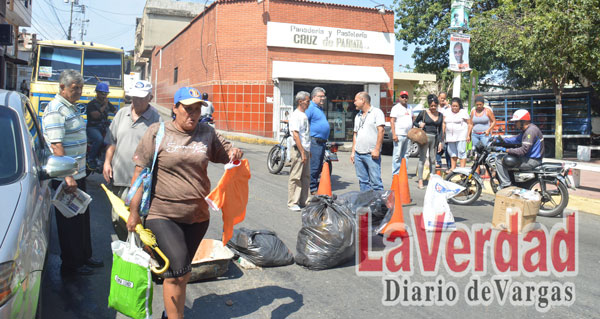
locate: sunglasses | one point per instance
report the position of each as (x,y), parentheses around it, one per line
(404,96)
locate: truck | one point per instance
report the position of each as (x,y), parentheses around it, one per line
(577,105)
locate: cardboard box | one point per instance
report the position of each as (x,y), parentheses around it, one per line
(507,203)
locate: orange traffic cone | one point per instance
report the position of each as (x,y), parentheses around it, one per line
(325,182)
(403,184)
(396,226)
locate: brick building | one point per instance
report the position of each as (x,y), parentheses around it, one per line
(251,58)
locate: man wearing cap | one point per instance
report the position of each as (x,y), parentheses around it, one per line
(401,122)
(123,136)
(528,146)
(97,122)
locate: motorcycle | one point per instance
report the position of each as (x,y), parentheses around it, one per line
(207,119)
(549,180)
(278,154)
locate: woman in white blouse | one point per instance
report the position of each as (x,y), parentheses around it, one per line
(455,129)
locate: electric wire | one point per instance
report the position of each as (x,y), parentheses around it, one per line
(56,16)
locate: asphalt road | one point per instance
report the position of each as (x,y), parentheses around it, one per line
(296,292)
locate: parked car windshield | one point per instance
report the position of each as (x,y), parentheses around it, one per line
(11,148)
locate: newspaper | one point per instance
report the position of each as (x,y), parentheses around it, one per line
(70,204)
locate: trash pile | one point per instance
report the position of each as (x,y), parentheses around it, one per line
(326,238)
(260,247)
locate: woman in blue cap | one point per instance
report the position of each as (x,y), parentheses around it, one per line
(97,122)
(178,214)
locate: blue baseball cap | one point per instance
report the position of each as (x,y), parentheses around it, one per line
(188,95)
(102,87)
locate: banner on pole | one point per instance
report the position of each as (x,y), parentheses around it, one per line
(459,52)
(459,15)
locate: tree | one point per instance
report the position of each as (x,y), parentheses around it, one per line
(425,23)
(545,41)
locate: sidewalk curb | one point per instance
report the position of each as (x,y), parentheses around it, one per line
(247,139)
(575,202)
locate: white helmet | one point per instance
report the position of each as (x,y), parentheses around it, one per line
(521,115)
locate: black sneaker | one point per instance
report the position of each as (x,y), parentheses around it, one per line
(79,271)
(94,263)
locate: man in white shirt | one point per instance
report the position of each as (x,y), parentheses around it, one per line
(366,144)
(299,182)
(401,122)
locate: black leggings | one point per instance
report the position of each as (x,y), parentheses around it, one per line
(178,242)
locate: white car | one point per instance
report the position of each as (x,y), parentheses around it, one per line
(25,172)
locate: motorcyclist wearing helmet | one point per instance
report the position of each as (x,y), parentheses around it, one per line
(528,150)
(97,122)
(208,109)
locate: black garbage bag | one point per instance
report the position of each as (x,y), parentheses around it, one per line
(261,247)
(378,203)
(326,238)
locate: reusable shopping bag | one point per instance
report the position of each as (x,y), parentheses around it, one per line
(130,280)
(145,177)
(436,203)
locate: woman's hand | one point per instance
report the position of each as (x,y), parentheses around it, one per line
(440,147)
(422,124)
(235,154)
(133,220)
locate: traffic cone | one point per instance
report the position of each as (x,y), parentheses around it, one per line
(396,226)
(325,182)
(403,184)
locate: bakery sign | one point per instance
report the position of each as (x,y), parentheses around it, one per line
(291,35)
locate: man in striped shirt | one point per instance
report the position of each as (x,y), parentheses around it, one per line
(64,132)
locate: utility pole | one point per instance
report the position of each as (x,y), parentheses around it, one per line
(74,6)
(83,22)
(71,19)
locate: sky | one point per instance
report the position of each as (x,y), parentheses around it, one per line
(112,22)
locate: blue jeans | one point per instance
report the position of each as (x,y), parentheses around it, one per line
(317,153)
(400,152)
(438,156)
(479,138)
(368,171)
(94,136)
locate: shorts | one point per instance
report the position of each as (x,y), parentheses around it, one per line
(458,149)
(178,242)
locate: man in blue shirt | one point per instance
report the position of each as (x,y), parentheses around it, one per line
(319,133)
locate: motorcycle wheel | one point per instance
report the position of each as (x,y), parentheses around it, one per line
(472,189)
(413,149)
(554,200)
(275,160)
(494,183)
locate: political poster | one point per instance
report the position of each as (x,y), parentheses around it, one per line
(459,52)
(459,16)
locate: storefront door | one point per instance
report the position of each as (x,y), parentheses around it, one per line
(339,107)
